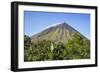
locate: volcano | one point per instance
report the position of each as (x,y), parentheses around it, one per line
(61,32)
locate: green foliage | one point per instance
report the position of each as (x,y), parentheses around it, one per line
(27,45)
(58,52)
(27,42)
(78,47)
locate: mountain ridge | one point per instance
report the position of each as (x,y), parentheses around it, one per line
(58,33)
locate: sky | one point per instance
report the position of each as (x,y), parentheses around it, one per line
(35,22)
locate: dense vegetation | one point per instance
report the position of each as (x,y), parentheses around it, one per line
(78,47)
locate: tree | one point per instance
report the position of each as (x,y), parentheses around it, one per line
(41,50)
(58,51)
(27,44)
(77,48)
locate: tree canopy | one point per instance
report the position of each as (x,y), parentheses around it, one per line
(78,47)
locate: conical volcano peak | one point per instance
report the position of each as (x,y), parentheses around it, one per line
(63,24)
(59,32)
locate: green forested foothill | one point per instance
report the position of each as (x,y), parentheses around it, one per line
(78,47)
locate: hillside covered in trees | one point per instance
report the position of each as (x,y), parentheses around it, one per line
(77,47)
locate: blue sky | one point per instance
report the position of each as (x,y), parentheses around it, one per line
(35,22)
